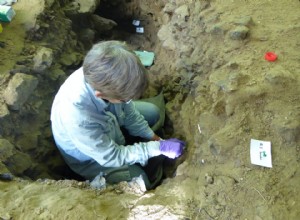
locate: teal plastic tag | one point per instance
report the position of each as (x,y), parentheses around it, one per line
(147,58)
(6,13)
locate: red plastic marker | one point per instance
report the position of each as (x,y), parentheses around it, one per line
(270,56)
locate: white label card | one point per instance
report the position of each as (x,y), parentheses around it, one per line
(260,153)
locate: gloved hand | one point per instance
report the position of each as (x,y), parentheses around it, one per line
(171,148)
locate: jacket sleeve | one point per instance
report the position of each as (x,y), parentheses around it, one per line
(135,123)
(92,139)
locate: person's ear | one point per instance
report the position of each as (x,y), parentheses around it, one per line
(98,94)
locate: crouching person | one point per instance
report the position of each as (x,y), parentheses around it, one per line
(92,108)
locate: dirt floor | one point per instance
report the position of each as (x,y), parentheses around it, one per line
(220,93)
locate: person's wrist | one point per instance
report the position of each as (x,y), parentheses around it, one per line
(156,138)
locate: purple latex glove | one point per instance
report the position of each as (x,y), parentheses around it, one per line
(171,148)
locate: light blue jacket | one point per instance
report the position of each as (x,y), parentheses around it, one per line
(86,127)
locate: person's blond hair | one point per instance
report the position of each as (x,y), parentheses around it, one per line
(113,69)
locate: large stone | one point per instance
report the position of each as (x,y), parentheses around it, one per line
(169,8)
(239,33)
(19,89)
(16,161)
(4,112)
(182,12)
(166,36)
(181,16)
(28,142)
(102,24)
(88,6)
(19,162)
(5,120)
(42,59)
(6,149)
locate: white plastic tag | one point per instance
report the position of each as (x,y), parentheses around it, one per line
(136,22)
(140,30)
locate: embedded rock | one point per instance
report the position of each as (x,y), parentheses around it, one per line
(19,89)
(88,6)
(42,59)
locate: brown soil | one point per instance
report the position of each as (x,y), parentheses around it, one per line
(220,94)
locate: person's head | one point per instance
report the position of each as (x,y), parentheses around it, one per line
(115,72)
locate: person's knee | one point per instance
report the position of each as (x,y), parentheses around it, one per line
(154,114)
(150,112)
(118,174)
